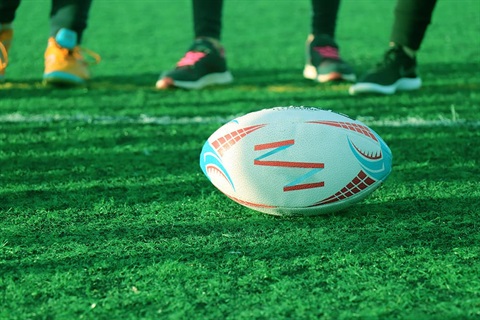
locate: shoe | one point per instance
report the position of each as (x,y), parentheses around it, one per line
(6,36)
(397,72)
(65,63)
(323,63)
(203,65)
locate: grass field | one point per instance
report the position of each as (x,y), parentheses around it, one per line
(105,213)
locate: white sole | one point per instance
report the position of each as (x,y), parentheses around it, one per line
(310,72)
(208,80)
(403,84)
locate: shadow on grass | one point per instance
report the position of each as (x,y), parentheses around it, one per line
(144,240)
(19,89)
(457,77)
(73,167)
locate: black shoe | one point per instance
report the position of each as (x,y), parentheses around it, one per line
(203,65)
(397,72)
(323,63)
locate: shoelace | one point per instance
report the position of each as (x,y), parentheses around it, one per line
(3,57)
(190,58)
(89,53)
(80,53)
(390,56)
(327,52)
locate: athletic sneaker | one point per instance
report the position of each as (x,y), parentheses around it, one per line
(203,65)
(323,62)
(397,72)
(6,36)
(64,62)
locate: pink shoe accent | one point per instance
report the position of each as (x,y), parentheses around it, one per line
(328,52)
(190,58)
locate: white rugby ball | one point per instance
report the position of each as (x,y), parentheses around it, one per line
(295,160)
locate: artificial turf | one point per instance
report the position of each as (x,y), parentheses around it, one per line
(105,213)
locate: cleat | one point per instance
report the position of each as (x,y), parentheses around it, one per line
(203,65)
(65,63)
(323,62)
(397,72)
(6,36)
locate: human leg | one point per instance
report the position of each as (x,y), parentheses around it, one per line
(412,18)
(69,14)
(207,18)
(64,61)
(398,70)
(323,62)
(204,64)
(8,9)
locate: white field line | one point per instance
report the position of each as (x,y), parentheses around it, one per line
(105,119)
(167,120)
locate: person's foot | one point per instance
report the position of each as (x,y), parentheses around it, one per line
(6,36)
(203,65)
(323,62)
(64,62)
(397,72)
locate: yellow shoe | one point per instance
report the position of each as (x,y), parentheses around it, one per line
(6,36)
(64,61)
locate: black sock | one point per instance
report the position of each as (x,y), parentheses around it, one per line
(207,18)
(324,17)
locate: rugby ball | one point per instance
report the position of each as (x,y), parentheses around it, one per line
(295,160)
